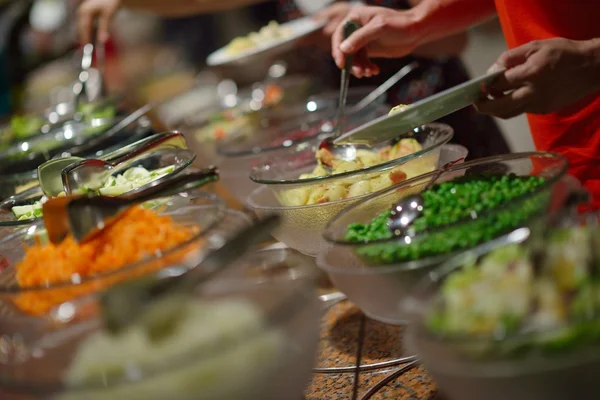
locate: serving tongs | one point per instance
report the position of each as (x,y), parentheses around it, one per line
(81,87)
(78,169)
(86,216)
(158,303)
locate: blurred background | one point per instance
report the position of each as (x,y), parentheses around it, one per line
(156,57)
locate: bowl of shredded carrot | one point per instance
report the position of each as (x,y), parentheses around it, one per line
(36,276)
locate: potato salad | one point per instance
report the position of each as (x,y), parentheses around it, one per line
(357,185)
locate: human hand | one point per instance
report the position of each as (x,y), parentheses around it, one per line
(333,16)
(89,11)
(385,33)
(542,77)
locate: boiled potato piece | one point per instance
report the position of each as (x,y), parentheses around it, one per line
(316,193)
(381,182)
(335,192)
(398,108)
(360,188)
(294,197)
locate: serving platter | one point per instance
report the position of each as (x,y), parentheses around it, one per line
(299,28)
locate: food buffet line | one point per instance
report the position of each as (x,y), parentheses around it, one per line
(397,272)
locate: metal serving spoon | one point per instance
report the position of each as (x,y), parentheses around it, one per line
(84,217)
(50,172)
(408,209)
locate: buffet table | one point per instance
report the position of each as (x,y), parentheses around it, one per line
(386,370)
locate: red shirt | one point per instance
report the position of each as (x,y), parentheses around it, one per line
(573,131)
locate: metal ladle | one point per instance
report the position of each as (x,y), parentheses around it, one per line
(408,209)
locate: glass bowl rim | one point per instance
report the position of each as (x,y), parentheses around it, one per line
(328,235)
(259,150)
(445,131)
(273,318)
(180,168)
(417,327)
(215,202)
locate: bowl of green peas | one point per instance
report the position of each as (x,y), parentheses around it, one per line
(469,204)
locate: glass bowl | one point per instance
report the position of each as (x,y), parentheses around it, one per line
(245,111)
(256,338)
(30,125)
(373,277)
(192,209)
(504,367)
(281,174)
(302,226)
(13,182)
(76,138)
(286,128)
(180,159)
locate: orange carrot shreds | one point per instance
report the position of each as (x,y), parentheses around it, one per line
(138,234)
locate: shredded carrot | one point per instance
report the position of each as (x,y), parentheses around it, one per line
(138,234)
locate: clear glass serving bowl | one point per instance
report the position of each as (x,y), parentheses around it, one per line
(193,209)
(256,340)
(286,128)
(370,274)
(464,368)
(180,159)
(246,114)
(303,225)
(14,182)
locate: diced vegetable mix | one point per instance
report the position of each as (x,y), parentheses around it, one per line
(504,295)
(132,178)
(448,203)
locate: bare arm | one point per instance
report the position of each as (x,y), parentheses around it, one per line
(435,19)
(174,8)
(104,11)
(390,34)
(452,45)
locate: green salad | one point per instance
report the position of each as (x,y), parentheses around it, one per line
(23,127)
(550,307)
(469,198)
(115,186)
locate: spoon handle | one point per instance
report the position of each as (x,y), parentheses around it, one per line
(385,86)
(168,186)
(86,63)
(349,28)
(169,139)
(439,173)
